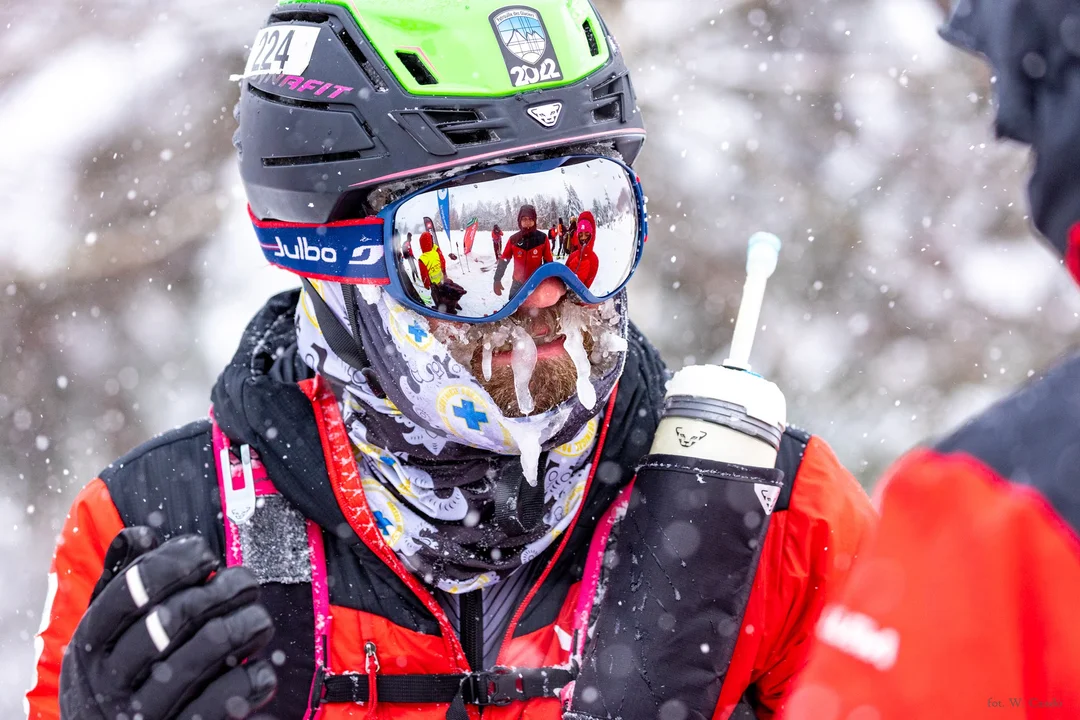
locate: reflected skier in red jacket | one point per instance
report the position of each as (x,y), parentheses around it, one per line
(583,260)
(528,247)
(496,239)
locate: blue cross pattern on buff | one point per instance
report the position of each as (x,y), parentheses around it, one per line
(417,332)
(468,412)
(383,523)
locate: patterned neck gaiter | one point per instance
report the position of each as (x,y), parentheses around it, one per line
(463,494)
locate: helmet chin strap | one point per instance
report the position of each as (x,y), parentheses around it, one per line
(348,346)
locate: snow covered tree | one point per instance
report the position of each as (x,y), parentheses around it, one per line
(574,206)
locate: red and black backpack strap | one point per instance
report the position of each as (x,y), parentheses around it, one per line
(497,687)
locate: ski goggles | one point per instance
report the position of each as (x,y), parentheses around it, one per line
(472,248)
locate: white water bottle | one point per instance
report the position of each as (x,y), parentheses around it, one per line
(727,413)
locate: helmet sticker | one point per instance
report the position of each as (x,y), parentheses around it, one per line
(281,50)
(529,55)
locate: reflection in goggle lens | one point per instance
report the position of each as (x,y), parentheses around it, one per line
(468,248)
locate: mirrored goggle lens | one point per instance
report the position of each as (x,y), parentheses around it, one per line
(469,248)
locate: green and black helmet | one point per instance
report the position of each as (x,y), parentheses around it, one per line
(341,98)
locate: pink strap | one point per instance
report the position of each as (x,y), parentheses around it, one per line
(320,600)
(320,596)
(594,566)
(590,580)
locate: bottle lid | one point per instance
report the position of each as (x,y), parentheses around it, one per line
(761,399)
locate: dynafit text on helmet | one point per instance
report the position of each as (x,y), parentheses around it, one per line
(430,475)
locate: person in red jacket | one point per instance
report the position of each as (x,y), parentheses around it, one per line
(964,605)
(583,261)
(529,248)
(391,513)
(496,240)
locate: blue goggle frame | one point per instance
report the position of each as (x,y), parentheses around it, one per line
(356,252)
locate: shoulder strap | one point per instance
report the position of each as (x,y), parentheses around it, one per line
(792,449)
(260,530)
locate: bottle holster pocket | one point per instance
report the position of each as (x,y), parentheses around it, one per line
(676,589)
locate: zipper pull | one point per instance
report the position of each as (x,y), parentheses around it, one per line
(371,667)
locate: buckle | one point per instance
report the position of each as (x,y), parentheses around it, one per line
(318,686)
(495,687)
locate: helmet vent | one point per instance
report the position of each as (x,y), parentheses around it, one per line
(451,116)
(608,99)
(416,67)
(590,37)
(610,111)
(311,159)
(365,65)
(462,126)
(473,136)
(286,16)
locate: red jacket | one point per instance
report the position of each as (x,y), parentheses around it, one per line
(374,598)
(583,260)
(529,250)
(964,605)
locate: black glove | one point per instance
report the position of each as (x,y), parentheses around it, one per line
(162,640)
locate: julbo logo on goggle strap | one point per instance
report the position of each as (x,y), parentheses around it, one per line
(349,252)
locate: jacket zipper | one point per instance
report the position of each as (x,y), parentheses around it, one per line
(471,610)
(371,667)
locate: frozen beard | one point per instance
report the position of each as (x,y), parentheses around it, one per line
(538,358)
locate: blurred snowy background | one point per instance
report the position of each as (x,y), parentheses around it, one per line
(909,293)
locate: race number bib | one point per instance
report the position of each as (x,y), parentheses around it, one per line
(281,50)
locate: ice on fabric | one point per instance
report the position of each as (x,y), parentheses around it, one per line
(527,437)
(274,542)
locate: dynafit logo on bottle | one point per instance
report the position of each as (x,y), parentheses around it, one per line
(526,47)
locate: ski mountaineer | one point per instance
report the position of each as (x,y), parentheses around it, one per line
(445,293)
(391,512)
(410,256)
(572,244)
(583,261)
(529,248)
(964,605)
(496,239)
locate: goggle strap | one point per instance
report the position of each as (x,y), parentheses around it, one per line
(347,347)
(347,252)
